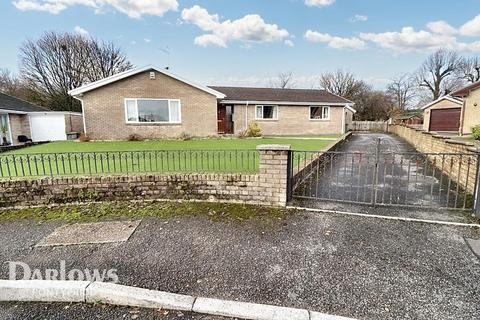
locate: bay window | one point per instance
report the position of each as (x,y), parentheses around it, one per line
(266,112)
(153,110)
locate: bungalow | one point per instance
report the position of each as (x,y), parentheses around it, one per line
(21,121)
(457,112)
(154,103)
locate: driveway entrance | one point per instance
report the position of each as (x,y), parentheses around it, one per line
(382,169)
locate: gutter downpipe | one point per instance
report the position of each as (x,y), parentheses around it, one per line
(462,116)
(246,115)
(83,113)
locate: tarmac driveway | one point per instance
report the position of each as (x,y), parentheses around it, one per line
(404,177)
(364,268)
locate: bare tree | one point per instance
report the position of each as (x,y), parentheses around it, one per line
(59,62)
(370,104)
(469,69)
(437,73)
(374,105)
(9,84)
(342,83)
(14,86)
(284,80)
(105,60)
(402,90)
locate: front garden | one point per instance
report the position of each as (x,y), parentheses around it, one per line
(66,158)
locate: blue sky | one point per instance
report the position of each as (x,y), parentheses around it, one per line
(247,42)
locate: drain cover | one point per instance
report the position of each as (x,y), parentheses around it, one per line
(84,233)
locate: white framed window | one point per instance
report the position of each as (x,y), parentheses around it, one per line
(320,113)
(266,112)
(153,110)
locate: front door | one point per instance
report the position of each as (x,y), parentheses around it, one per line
(222,118)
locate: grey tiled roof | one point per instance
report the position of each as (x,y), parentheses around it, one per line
(284,95)
(14,104)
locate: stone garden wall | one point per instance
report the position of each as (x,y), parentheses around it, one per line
(461,169)
(268,187)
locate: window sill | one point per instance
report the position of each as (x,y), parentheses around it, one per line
(266,120)
(154,124)
(320,120)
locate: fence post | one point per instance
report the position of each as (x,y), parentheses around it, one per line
(273,175)
(289,176)
(476,194)
(375,172)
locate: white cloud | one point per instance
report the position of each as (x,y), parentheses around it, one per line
(335,42)
(408,40)
(471,28)
(206,40)
(26,5)
(438,35)
(132,8)
(441,27)
(250,28)
(147,40)
(319,3)
(80,31)
(289,43)
(359,18)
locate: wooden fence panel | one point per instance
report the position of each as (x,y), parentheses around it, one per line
(375,126)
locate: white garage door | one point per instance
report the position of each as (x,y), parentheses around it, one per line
(48,127)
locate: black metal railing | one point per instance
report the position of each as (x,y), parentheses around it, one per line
(127,162)
(441,180)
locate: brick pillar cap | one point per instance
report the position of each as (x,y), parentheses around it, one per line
(274,147)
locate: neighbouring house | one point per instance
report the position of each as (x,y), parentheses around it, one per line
(470,116)
(19,118)
(412,117)
(154,103)
(457,112)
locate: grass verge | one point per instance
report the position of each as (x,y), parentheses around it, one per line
(133,210)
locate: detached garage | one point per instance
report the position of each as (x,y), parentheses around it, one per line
(443,115)
(48,126)
(21,122)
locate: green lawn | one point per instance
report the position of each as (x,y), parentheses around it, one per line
(197,144)
(129,157)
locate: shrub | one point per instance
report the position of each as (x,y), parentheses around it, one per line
(135,137)
(84,137)
(476,132)
(253,130)
(242,134)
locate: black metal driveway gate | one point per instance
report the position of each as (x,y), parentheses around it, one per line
(436,180)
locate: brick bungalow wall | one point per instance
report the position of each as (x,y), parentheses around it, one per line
(292,120)
(104,109)
(471,116)
(268,187)
(19,125)
(426,142)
